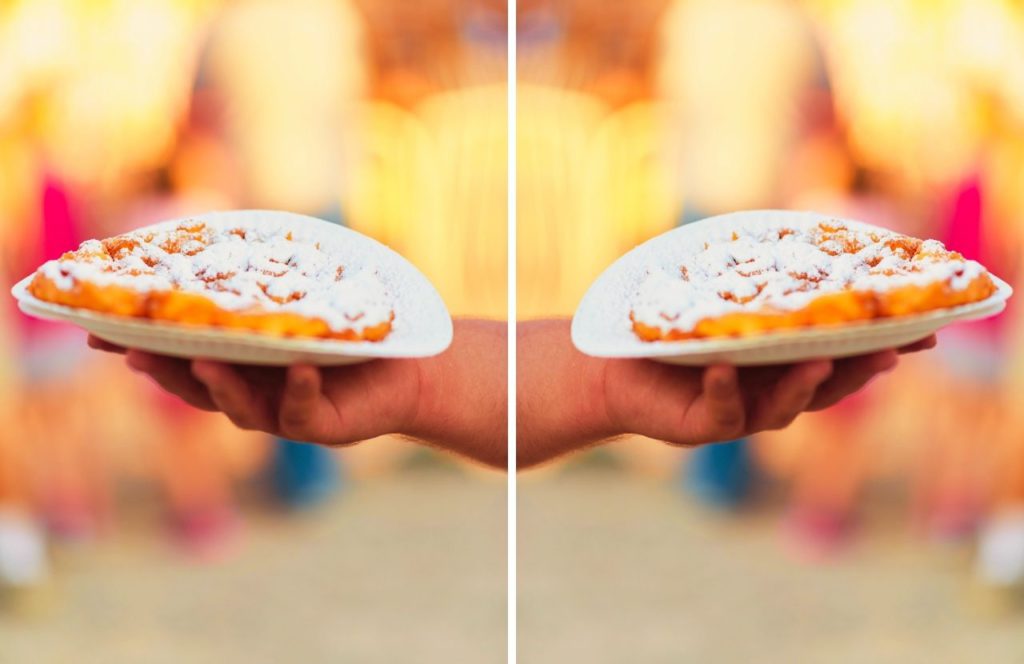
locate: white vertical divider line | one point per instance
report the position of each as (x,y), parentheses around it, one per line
(511,86)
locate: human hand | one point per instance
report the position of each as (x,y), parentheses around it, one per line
(692,406)
(568,401)
(456,401)
(327,405)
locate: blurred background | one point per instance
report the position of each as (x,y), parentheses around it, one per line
(133,528)
(888,529)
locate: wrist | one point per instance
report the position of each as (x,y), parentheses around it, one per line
(459,399)
(602,414)
(417,405)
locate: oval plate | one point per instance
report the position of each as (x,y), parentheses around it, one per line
(422,325)
(601,326)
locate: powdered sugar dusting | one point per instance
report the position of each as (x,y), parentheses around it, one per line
(602,325)
(244,268)
(782,268)
(422,326)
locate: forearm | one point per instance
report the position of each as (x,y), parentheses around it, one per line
(463,394)
(560,398)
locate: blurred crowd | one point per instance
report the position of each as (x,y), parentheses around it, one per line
(384,115)
(635,117)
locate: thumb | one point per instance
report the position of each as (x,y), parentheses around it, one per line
(303,409)
(719,413)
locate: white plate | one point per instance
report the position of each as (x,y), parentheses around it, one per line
(422,326)
(601,326)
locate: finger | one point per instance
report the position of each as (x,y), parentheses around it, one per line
(105,346)
(850,375)
(777,407)
(232,395)
(718,413)
(924,344)
(173,375)
(301,402)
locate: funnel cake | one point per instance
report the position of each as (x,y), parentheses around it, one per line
(775,279)
(264,280)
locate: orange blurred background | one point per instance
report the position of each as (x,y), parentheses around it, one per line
(636,117)
(387,116)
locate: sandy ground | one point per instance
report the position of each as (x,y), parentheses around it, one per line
(406,568)
(614,568)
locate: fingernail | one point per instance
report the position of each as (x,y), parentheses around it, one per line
(200,370)
(299,382)
(824,368)
(136,361)
(721,380)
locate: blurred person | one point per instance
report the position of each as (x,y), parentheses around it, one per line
(67,496)
(828,472)
(734,77)
(1000,562)
(194,478)
(24,568)
(303,475)
(291,130)
(896,98)
(989,500)
(950,489)
(23,557)
(192,471)
(72,485)
(93,147)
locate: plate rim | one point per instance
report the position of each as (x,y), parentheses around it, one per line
(991,305)
(33,306)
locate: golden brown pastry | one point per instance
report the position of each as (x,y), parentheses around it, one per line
(773,279)
(264,280)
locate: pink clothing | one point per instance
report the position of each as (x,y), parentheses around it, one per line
(57,233)
(964,232)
